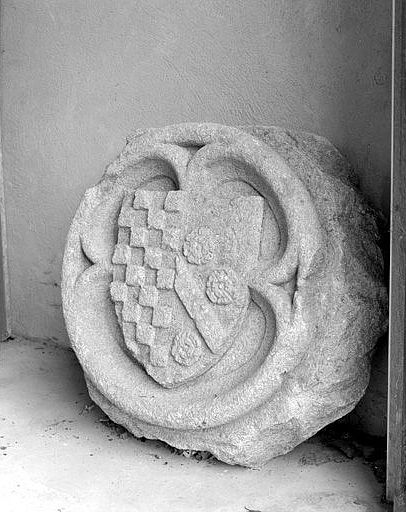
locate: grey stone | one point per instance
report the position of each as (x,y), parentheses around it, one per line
(222,289)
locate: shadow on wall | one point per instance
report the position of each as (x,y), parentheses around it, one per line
(370,415)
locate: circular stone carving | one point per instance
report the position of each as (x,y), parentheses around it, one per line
(186,348)
(223,287)
(199,246)
(262,361)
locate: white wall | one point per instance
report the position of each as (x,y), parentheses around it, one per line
(78,75)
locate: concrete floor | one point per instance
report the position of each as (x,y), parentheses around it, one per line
(59,453)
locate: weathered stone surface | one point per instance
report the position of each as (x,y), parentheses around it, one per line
(222,289)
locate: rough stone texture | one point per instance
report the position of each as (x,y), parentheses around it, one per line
(222,288)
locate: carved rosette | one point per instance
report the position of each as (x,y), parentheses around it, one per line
(219,298)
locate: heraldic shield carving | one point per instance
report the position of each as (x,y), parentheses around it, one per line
(180,278)
(222,288)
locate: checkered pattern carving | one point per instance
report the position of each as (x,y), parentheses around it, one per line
(150,232)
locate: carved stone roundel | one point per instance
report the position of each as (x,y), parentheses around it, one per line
(217,289)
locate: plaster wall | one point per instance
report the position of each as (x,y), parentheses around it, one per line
(78,76)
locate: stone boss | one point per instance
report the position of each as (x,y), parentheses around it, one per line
(222,288)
